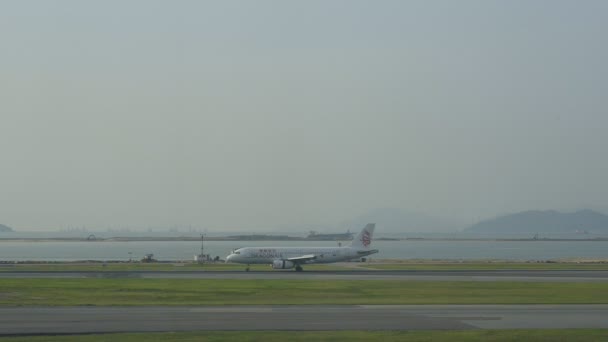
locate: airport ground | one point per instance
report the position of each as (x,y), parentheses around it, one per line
(537,335)
(421,265)
(37,299)
(137,291)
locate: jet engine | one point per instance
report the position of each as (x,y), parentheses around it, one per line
(282,264)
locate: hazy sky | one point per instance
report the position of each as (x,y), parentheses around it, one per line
(261,114)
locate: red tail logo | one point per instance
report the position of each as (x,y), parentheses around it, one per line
(366,239)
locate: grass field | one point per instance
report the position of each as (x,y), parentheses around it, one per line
(162,267)
(419,266)
(121,291)
(488,266)
(541,335)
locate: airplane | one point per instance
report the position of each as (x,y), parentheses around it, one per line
(295,257)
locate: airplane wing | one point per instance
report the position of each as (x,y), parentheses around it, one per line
(303,258)
(367,252)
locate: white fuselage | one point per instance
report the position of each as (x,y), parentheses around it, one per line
(266,255)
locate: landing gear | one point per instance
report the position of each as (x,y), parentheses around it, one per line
(298,268)
(247,268)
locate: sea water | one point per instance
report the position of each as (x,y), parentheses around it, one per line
(404,249)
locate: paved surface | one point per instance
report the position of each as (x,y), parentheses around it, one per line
(505,275)
(69,320)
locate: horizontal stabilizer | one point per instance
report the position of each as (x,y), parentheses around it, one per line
(303,258)
(367,252)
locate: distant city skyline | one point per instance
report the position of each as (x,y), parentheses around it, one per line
(235,114)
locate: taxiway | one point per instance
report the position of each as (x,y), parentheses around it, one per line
(73,320)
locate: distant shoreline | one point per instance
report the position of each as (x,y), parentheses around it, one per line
(282,238)
(403,262)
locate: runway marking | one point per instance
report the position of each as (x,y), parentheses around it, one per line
(465,318)
(232,309)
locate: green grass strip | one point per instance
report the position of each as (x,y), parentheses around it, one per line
(488,266)
(540,335)
(406,265)
(158,267)
(62,292)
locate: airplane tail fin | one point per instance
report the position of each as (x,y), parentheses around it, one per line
(364,238)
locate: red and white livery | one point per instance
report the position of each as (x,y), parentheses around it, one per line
(295,257)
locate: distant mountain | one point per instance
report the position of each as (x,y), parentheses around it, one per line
(400,220)
(548,221)
(5,229)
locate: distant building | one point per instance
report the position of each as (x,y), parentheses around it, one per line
(202,258)
(148,258)
(330,237)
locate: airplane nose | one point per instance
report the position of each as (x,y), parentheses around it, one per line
(229,257)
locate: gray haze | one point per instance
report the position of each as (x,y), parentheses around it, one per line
(268,114)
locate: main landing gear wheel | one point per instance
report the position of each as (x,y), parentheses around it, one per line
(298,268)
(247,268)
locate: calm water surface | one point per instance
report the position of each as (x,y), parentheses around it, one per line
(185,250)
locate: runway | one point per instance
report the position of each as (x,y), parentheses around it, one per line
(501,275)
(73,320)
